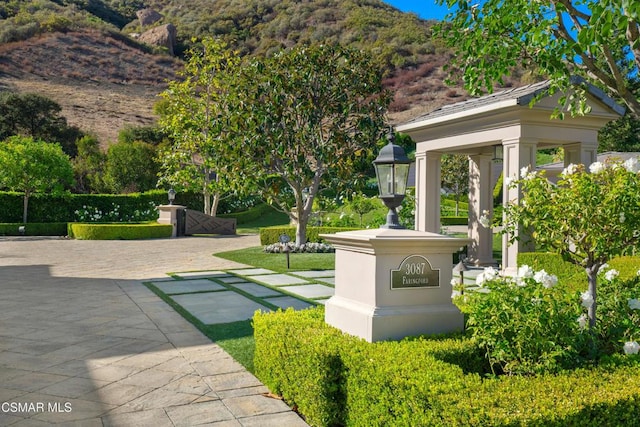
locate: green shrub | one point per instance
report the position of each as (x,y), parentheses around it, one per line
(567,273)
(35,229)
(119,231)
(269,235)
(337,379)
(249,215)
(454,220)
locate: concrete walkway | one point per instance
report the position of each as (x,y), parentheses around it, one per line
(84,342)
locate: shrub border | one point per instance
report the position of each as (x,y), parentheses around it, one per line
(92,231)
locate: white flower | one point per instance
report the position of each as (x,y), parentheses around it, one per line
(454,282)
(596,167)
(603,268)
(525,272)
(508,181)
(638,273)
(631,347)
(587,299)
(488,274)
(611,274)
(484,221)
(632,165)
(582,321)
(634,304)
(570,170)
(545,279)
(455,294)
(526,174)
(622,217)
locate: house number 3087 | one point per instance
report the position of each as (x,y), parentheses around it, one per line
(415,268)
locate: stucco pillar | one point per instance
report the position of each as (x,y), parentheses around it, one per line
(428,191)
(518,153)
(480,251)
(583,153)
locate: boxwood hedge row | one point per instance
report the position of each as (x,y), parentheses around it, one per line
(336,379)
(83,231)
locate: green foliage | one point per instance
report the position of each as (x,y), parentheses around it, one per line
(455,176)
(88,165)
(558,38)
(150,134)
(119,231)
(303,116)
(130,167)
(34,229)
(525,325)
(454,220)
(337,379)
(249,215)
(588,218)
(34,115)
(567,273)
(32,166)
(195,116)
(620,135)
(269,235)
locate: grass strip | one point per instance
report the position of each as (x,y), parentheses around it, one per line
(256,257)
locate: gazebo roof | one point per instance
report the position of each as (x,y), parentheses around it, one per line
(522,95)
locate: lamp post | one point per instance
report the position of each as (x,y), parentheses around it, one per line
(172,195)
(392,171)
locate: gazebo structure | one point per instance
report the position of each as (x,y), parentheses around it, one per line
(501,122)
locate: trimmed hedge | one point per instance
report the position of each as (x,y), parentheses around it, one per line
(35,229)
(337,379)
(270,235)
(249,215)
(454,220)
(83,231)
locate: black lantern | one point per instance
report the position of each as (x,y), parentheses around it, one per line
(498,153)
(172,195)
(392,170)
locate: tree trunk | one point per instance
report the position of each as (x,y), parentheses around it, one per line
(214,204)
(592,277)
(25,205)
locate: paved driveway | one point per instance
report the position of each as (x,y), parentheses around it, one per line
(83,342)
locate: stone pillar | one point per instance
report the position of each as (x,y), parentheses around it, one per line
(428,191)
(480,250)
(393,283)
(583,153)
(169,215)
(518,153)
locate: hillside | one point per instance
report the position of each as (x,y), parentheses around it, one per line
(82,55)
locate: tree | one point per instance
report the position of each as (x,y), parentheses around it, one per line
(303,116)
(597,40)
(130,167)
(588,218)
(194,116)
(32,166)
(31,114)
(88,165)
(455,175)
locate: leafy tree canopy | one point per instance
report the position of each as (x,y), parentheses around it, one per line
(34,115)
(303,116)
(595,39)
(32,166)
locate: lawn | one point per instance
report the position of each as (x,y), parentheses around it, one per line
(278,262)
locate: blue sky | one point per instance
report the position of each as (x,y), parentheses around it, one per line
(426,9)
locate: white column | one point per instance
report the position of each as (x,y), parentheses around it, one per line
(518,153)
(428,191)
(480,251)
(583,153)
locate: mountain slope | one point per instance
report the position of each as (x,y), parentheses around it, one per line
(80,54)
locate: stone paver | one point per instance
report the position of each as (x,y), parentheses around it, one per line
(187,286)
(256,290)
(286,302)
(251,271)
(311,291)
(311,274)
(278,279)
(219,307)
(82,335)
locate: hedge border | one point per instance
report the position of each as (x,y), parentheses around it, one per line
(91,231)
(270,235)
(34,229)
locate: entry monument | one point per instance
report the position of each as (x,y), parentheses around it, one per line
(392,282)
